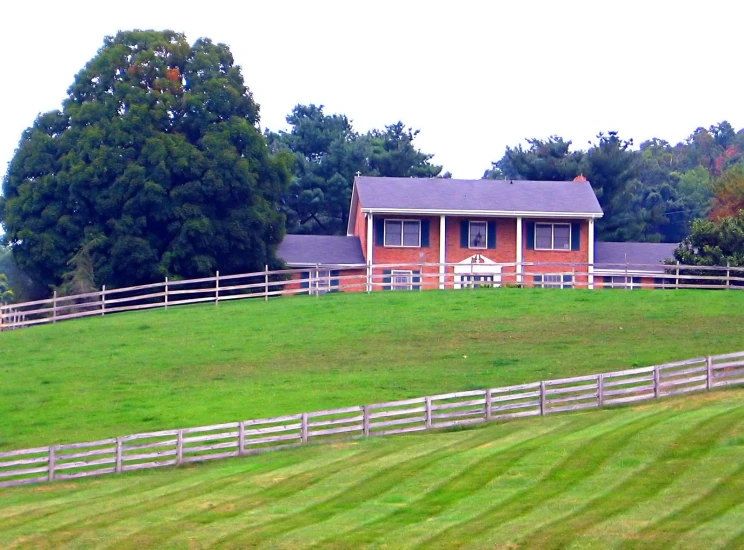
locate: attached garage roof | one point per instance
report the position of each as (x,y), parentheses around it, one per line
(307,250)
(616,255)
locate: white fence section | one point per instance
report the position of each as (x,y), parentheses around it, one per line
(174,447)
(329,278)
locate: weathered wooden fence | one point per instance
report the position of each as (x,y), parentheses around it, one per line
(328,278)
(174,447)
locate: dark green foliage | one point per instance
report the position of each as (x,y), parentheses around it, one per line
(650,194)
(154,165)
(327,154)
(714,243)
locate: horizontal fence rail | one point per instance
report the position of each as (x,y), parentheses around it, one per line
(321,279)
(246,437)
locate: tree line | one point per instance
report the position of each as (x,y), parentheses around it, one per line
(156,166)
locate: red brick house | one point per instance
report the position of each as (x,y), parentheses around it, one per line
(488,231)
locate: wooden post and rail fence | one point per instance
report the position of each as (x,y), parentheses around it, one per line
(327,278)
(247,437)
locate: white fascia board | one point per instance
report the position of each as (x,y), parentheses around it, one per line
(492,213)
(352,211)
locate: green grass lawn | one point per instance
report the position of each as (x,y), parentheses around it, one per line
(659,475)
(189,366)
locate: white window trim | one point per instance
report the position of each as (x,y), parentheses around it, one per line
(401,245)
(400,273)
(321,284)
(470,238)
(552,237)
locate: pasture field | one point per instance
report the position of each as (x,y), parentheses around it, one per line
(195,365)
(660,475)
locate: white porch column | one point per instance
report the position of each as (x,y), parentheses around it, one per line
(370,249)
(519,250)
(442,251)
(590,259)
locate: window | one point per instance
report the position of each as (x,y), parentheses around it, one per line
(621,282)
(554,280)
(552,236)
(477,235)
(401,280)
(403,233)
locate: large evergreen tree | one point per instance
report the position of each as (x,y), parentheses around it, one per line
(154,166)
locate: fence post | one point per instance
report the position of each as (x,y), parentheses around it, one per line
(303,427)
(118,455)
(728,274)
(266,283)
(369,276)
(542,398)
(54,307)
(657,381)
(427,414)
(217,288)
(166,293)
(489,404)
(52,449)
(600,390)
(708,372)
(365,420)
(676,282)
(241,438)
(421,277)
(103,300)
(179,447)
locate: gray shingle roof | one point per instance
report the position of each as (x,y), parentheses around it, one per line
(439,194)
(301,250)
(615,255)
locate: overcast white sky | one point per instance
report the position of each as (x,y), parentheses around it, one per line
(473,77)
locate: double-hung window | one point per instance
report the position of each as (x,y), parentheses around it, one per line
(553,236)
(403,233)
(477,234)
(322,282)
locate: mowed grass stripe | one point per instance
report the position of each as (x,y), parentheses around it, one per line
(578,465)
(726,495)
(134,505)
(362,491)
(232,506)
(500,468)
(467,482)
(687,449)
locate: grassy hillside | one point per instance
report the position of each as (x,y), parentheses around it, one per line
(654,476)
(187,366)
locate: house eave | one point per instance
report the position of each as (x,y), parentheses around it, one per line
(490,213)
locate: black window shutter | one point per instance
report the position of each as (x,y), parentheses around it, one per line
(334,280)
(416,280)
(305,283)
(531,236)
(537,278)
(464,231)
(424,233)
(575,235)
(379,232)
(491,234)
(386,280)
